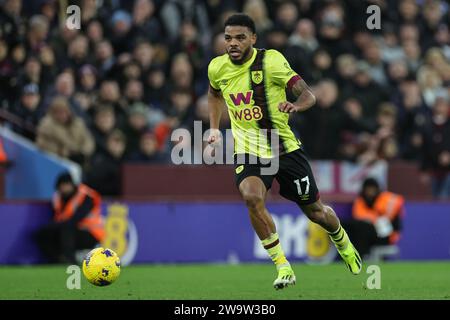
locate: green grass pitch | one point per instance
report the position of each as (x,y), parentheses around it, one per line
(405,280)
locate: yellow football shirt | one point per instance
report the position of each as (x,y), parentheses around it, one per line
(252,92)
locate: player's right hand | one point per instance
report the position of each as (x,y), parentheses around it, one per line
(214,138)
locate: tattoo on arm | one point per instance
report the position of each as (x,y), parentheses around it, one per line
(305,97)
(298,87)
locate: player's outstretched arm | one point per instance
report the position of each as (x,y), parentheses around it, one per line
(215,105)
(305,98)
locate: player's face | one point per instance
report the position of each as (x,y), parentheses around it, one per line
(239,42)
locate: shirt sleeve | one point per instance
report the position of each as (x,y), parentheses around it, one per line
(280,70)
(213,83)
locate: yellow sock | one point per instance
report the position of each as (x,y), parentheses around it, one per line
(340,238)
(273,247)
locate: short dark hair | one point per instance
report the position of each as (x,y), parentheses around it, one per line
(370,182)
(64,177)
(241,19)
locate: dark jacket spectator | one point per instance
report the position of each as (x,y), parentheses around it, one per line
(104,171)
(28,111)
(436,148)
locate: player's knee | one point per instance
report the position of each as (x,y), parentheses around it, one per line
(253,200)
(317,214)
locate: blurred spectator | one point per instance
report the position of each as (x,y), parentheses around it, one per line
(372,55)
(94,32)
(86,92)
(397,71)
(408,11)
(409,32)
(104,123)
(110,94)
(88,10)
(145,24)
(219,46)
(63,133)
(430,84)
(12,26)
(104,56)
(331,30)
(434,57)
(356,133)
(360,40)
(305,36)
(49,67)
(144,53)
(65,87)
(136,125)
(77,222)
(322,144)
(346,70)
(148,151)
(188,42)
(32,71)
(121,23)
(382,145)
(277,39)
(436,148)
(133,92)
(412,115)
(156,87)
(377,217)
(104,171)
(322,66)
(175,12)
(181,107)
(18,55)
(442,39)
(432,17)
(28,111)
(60,42)
(390,48)
(413,53)
(78,52)
(257,10)
(37,33)
(181,72)
(286,17)
(366,91)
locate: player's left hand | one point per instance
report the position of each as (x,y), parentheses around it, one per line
(288,107)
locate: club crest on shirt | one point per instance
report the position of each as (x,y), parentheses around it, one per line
(257,77)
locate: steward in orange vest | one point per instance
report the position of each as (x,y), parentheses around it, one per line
(84,207)
(78,223)
(386,205)
(377,217)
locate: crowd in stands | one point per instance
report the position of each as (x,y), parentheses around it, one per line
(113,91)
